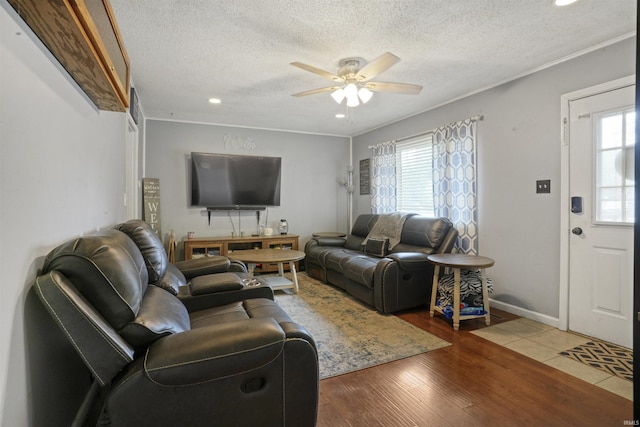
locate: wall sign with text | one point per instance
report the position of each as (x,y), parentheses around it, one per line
(151,203)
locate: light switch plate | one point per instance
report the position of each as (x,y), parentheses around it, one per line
(543,186)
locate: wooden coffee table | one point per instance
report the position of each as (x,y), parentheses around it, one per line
(266,256)
(460,262)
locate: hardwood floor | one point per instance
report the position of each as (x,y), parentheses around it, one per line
(473,382)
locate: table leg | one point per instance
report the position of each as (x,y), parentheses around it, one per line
(251,266)
(294,276)
(280,269)
(456,299)
(485,297)
(434,289)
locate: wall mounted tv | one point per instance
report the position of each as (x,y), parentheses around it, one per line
(230,182)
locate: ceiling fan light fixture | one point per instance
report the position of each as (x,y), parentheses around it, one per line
(364,94)
(338,95)
(353,101)
(351,92)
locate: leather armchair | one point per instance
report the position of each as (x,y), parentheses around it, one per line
(238,359)
(172,276)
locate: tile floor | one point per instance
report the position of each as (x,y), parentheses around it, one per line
(543,343)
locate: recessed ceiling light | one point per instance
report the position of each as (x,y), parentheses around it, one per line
(340,116)
(215,100)
(564,2)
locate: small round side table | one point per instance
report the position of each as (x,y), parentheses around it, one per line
(459,262)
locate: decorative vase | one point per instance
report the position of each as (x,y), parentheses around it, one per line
(283,227)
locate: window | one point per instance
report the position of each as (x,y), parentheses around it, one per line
(614,177)
(414,175)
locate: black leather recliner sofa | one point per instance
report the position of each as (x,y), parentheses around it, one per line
(219,353)
(389,280)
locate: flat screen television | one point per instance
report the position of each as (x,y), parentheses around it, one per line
(226,181)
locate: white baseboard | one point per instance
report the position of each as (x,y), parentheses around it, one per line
(523,312)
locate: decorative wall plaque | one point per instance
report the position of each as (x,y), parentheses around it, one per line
(151,203)
(365,182)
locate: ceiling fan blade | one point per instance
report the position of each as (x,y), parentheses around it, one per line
(404,88)
(317,71)
(314,91)
(377,66)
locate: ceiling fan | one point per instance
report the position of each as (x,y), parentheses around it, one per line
(353,80)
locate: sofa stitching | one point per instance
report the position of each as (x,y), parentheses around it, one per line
(73,342)
(149,371)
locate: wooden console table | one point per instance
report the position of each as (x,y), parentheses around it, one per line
(211,246)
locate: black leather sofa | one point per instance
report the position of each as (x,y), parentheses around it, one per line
(389,280)
(220,352)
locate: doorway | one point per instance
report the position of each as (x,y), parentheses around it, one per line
(597,211)
(131,171)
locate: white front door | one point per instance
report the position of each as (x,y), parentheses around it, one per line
(601,187)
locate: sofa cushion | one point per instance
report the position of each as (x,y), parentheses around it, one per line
(360,269)
(335,260)
(107,269)
(424,231)
(172,280)
(360,230)
(377,247)
(149,244)
(318,254)
(160,314)
(218,315)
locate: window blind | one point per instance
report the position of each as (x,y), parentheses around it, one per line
(414,175)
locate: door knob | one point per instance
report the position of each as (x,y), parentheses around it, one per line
(577,231)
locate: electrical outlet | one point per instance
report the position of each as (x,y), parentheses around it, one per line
(543,186)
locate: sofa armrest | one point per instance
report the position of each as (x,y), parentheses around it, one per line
(216,299)
(205,354)
(409,260)
(101,348)
(198,267)
(330,241)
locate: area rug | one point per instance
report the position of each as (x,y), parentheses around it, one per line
(610,358)
(349,335)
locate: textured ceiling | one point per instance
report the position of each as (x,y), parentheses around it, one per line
(183,52)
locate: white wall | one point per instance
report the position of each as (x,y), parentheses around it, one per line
(61,175)
(518,143)
(311,199)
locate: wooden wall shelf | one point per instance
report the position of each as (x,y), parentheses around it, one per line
(84,38)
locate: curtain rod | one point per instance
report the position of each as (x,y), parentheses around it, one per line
(476,118)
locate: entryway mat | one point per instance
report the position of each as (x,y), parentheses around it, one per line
(607,357)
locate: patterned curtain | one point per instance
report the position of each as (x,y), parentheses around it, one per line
(454,181)
(383,179)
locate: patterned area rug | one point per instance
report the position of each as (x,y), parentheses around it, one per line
(610,358)
(349,335)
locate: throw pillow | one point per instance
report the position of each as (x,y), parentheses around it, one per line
(377,247)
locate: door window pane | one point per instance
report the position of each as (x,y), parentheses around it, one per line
(608,170)
(614,174)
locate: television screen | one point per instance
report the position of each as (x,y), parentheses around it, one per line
(226,181)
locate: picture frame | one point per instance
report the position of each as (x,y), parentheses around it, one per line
(134,111)
(365,177)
